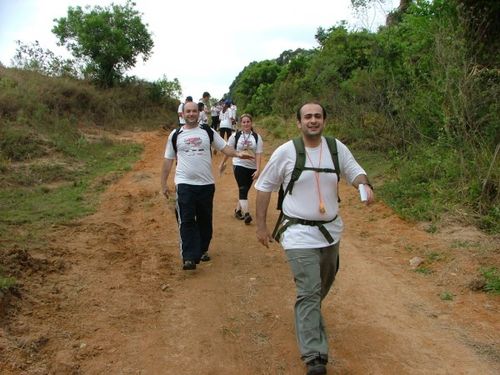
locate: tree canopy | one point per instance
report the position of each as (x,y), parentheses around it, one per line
(109,39)
(425,86)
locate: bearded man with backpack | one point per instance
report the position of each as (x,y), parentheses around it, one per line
(307,170)
(190,145)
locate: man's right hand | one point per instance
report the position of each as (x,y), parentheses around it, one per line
(264,237)
(165,191)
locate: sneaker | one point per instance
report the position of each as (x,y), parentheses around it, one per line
(316,367)
(205,257)
(238,215)
(189,265)
(248,218)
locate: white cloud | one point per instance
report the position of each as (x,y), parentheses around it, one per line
(203,44)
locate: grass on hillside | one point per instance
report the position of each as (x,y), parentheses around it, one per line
(37,195)
(50,171)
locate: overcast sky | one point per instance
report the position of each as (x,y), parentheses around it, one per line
(205,48)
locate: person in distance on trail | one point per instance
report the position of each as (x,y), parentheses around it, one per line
(194,182)
(180,110)
(226,120)
(205,99)
(202,116)
(245,171)
(215,111)
(309,227)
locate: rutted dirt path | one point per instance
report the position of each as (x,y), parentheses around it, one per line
(109,296)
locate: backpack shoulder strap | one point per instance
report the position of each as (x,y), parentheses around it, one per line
(332,146)
(256,136)
(237,136)
(300,162)
(205,127)
(209,130)
(174,138)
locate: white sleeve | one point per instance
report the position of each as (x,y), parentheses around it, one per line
(169,149)
(273,174)
(260,145)
(219,142)
(349,167)
(231,140)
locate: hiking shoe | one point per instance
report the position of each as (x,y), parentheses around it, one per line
(189,265)
(238,215)
(205,257)
(248,218)
(316,367)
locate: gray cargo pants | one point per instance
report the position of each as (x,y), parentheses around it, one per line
(314,271)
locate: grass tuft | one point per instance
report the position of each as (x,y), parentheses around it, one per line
(492,277)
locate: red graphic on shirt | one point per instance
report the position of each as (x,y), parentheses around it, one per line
(194,142)
(193,146)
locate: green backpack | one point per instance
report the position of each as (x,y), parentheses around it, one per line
(300,163)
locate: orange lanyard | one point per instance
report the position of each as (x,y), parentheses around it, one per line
(322,208)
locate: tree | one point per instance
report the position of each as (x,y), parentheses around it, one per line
(247,83)
(163,88)
(393,17)
(109,39)
(34,57)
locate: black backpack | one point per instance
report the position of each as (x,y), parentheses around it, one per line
(300,162)
(238,135)
(205,127)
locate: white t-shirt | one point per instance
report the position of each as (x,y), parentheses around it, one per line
(180,109)
(215,110)
(246,141)
(304,201)
(225,119)
(202,118)
(194,159)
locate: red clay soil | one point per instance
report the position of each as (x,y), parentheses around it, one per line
(109,297)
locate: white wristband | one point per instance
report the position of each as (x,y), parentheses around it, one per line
(362,193)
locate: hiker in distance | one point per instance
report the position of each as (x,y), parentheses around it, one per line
(309,227)
(180,110)
(245,170)
(194,182)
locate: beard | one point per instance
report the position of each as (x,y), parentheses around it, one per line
(191,122)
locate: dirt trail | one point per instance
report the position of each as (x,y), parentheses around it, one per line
(111,297)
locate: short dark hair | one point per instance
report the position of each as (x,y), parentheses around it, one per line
(205,94)
(189,98)
(311,102)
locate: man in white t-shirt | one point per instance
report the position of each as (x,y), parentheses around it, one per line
(205,99)
(194,183)
(215,111)
(180,110)
(311,230)
(226,120)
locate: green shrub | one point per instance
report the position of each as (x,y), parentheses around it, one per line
(279,127)
(492,277)
(6,282)
(20,143)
